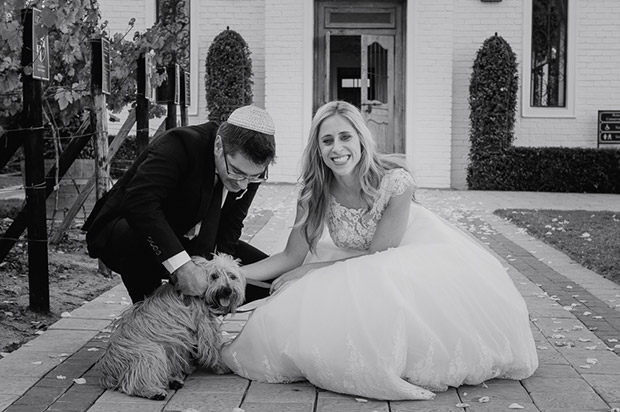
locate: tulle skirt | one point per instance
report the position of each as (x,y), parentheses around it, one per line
(437,311)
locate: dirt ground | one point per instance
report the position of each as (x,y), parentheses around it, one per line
(73,280)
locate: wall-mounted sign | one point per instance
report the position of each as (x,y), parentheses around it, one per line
(186,95)
(170,89)
(148,84)
(35,38)
(608,127)
(144,77)
(101,64)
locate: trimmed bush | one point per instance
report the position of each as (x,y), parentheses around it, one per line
(493,97)
(497,165)
(228,78)
(550,169)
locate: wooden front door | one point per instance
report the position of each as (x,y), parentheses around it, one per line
(357,47)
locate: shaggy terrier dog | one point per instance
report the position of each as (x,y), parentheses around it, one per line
(161,339)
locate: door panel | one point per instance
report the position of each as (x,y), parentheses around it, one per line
(378,88)
(359,50)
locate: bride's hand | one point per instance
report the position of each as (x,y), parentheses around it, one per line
(290,276)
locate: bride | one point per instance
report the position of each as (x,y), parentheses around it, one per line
(390,302)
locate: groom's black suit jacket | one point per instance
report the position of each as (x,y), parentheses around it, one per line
(166,192)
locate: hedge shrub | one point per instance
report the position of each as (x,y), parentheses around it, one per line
(551,169)
(497,165)
(228,78)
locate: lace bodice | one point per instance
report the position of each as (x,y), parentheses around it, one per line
(354,228)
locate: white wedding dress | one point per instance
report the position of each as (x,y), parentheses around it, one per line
(437,311)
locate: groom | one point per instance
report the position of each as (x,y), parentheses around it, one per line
(186,194)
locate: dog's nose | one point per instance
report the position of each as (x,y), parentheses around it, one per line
(225,292)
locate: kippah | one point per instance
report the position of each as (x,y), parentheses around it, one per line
(252,118)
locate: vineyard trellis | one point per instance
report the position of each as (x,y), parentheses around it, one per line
(64,106)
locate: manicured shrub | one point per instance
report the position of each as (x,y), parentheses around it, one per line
(228,78)
(550,169)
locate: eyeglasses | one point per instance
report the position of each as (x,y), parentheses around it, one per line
(239,177)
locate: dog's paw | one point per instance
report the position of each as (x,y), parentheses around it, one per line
(176,384)
(158,395)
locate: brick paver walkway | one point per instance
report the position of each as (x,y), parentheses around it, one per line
(575,318)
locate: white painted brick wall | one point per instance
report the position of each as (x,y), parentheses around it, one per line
(474,22)
(246,17)
(597,80)
(284,87)
(430,91)
(597,73)
(119,12)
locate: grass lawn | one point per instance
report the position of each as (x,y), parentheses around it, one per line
(589,238)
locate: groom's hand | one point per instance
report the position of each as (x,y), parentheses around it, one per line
(191,280)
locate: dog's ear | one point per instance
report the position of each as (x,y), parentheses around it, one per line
(202,262)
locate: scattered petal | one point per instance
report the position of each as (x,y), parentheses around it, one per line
(484,385)
(592,361)
(93,349)
(36,363)
(585,340)
(591,347)
(361,400)
(585,366)
(586,313)
(558,336)
(515,406)
(79,381)
(238,410)
(61,377)
(65,315)
(597,317)
(541,347)
(462,405)
(483,399)
(612,340)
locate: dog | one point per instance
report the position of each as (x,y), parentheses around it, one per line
(158,341)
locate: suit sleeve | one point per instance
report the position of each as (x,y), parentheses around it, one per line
(146,193)
(231,221)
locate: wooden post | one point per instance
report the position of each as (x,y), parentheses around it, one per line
(169,93)
(32,57)
(67,157)
(143,102)
(100,77)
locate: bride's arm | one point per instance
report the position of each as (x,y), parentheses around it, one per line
(275,265)
(393,224)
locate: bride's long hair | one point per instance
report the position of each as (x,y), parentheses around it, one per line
(316,178)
